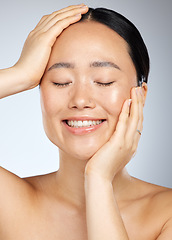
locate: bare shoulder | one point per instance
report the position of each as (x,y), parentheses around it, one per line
(157,201)
(162,194)
(16,199)
(10,183)
(13,190)
(162,198)
(151,206)
(159,194)
(155,194)
(161,204)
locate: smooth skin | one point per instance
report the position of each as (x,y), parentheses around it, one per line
(91,196)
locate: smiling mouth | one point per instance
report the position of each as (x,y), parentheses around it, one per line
(82,124)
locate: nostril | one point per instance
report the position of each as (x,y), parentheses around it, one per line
(81,103)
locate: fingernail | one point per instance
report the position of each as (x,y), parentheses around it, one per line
(129,102)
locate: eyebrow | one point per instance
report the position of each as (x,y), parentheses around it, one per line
(95,64)
(104,64)
(61,65)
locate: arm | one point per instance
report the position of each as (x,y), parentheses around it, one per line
(29,69)
(104,220)
(103,217)
(11,82)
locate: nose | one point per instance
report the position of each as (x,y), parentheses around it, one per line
(81,97)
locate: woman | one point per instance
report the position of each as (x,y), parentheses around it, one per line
(93,89)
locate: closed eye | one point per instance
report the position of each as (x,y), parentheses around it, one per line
(61,84)
(105,84)
(68,83)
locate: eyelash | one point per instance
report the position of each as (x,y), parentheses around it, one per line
(99,83)
(61,84)
(105,84)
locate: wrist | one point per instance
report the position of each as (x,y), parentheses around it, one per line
(23,80)
(11,82)
(94,181)
(91,175)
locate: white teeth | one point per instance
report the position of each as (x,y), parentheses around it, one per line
(79,124)
(84,123)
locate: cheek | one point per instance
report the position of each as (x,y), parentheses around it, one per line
(114,100)
(49,102)
(52,105)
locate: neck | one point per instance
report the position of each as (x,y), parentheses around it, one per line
(70,181)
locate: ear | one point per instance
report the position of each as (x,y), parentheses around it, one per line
(145,90)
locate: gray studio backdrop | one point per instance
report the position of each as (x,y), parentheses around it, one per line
(24,148)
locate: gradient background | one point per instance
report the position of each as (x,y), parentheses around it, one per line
(24,148)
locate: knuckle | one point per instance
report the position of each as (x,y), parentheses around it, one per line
(40,37)
(61,24)
(54,13)
(31,33)
(44,17)
(141,118)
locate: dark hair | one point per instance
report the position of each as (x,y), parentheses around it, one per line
(127,30)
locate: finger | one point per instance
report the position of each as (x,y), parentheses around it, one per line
(57,28)
(122,122)
(140,122)
(54,18)
(69,8)
(50,16)
(134,117)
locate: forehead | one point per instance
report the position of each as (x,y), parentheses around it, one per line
(89,37)
(85,42)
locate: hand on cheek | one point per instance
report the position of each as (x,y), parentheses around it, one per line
(117,152)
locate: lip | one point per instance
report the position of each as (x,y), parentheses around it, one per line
(83,130)
(82,118)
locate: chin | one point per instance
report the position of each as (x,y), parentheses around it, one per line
(81,148)
(81,152)
(87,147)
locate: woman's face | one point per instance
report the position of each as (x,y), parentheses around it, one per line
(88,78)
